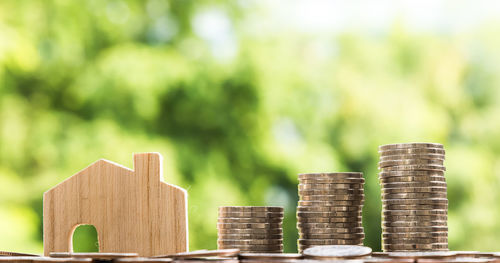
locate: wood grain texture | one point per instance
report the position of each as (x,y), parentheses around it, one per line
(132,210)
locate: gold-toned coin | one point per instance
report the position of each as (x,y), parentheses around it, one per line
(250,231)
(414,184)
(415,240)
(418,145)
(329,186)
(202,254)
(414,212)
(331,175)
(412,151)
(414,190)
(406,247)
(414,167)
(422,201)
(250,236)
(100,256)
(250,241)
(414,207)
(270,256)
(414,229)
(415,195)
(250,214)
(322,242)
(414,223)
(332,236)
(331,197)
(329,208)
(328,214)
(252,247)
(415,173)
(428,156)
(384,164)
(423,255)
(249,220)
(306,226)
(407,179)
(329,220)
(392,235)
(38,259)
(331,203)
(334,181)
(415,218)
(337,230)
(331,192)
(278,209)
(249,225)
(336,252)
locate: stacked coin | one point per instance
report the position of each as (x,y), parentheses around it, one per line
(251,228)
(329,210)
(415,203)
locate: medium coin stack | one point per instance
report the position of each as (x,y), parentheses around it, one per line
(414,199)
(251,228)
(329,209)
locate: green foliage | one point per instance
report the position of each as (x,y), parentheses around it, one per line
(83,80)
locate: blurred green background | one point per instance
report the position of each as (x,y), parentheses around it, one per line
(240,96)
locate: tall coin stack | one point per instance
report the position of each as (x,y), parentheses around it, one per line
(251,228)
(414,199)
(329,210)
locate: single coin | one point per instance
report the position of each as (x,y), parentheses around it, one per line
(407,179)
(252,247)
(421,201)
(23,259)
(384,259)
(332,236)
(350,225)
(414,195)
(337,252)
(278,209)
(331,197)
(413,190)
(414,235)
(410,173)
(321,242)
(92,255)
(424,156)
(412,151)
(413,167)
(334,181)
(203,253)
(17,254)
(250,231)
(328,214)
(251,214)
(415,218)
(414,184)
(414,229)
(414,240)
(421,255)
(410,145)
(137,260)
(331,175)
(250,236)
(345,230)
(390,163)
(248,225)
(459,260)
(329,186)
(378,254)
(329,208)
(396,247)
(414,223)
(331,203)
(414,212)
(250,241)
(330,220)
(414,207)
(270,256)
(331,192)
(249,220)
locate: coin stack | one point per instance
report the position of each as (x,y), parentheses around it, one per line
(415,203)
(251,228)
(329,210)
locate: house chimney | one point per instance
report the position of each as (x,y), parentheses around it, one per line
(148,165)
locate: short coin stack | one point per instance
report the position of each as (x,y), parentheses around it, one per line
(414,199)
(329,210)
(251,228)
